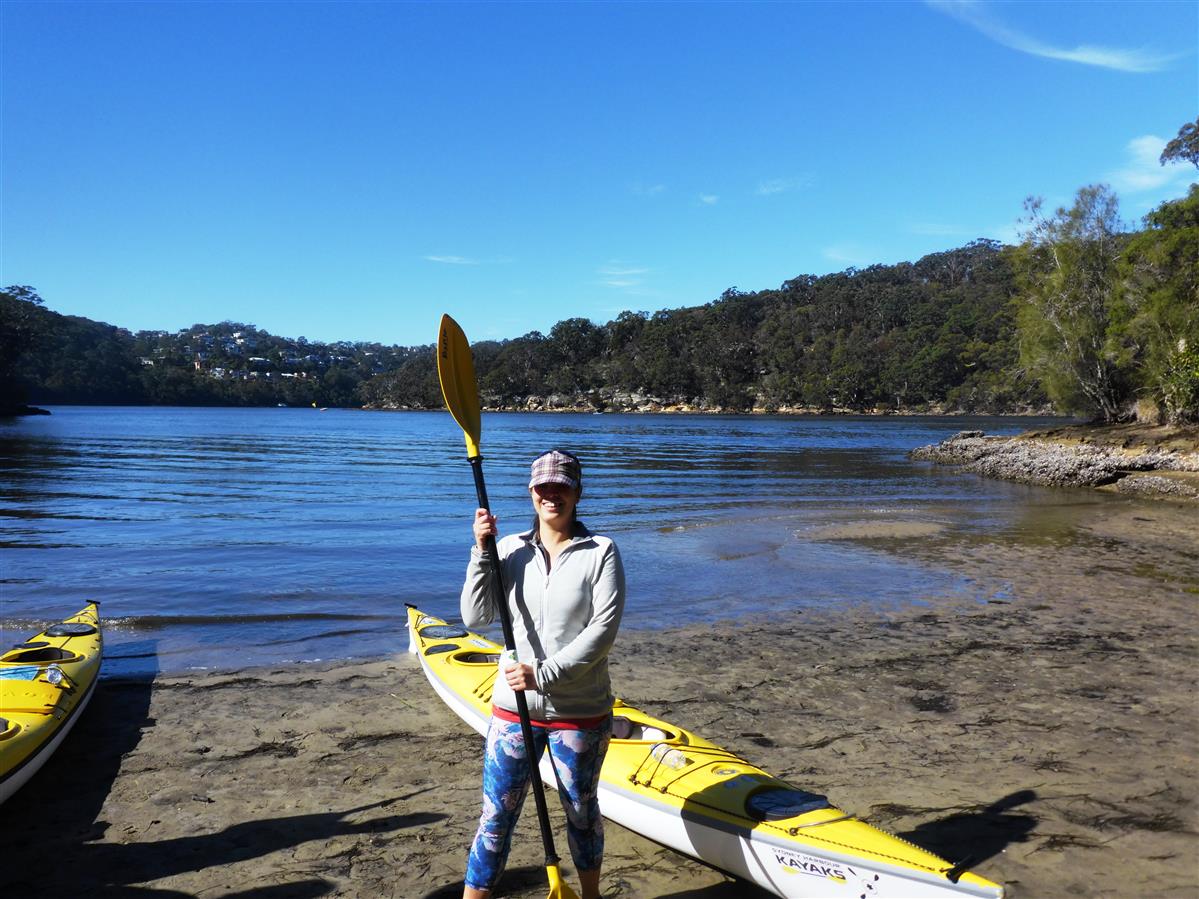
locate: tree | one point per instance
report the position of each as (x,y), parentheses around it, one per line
(781,340)
(415,385)
(1067,275)
(1160,298)
(665,365)
(622,351)
(84,361)
(1184,147)
(22,327)
(573,345)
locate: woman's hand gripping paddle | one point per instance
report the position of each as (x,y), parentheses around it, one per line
(456,370)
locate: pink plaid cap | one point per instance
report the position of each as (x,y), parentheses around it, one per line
(555,467)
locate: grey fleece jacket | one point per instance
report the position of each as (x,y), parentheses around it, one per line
(564,620)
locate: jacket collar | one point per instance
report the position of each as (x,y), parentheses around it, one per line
(580,534)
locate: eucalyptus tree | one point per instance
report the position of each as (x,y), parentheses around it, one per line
(1184,147)
(1067,274)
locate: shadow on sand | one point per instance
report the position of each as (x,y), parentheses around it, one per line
(49,828)
(63,800)
(968,839)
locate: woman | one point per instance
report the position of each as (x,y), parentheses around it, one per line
(566,595)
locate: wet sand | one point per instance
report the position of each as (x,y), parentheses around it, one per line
(1047,735)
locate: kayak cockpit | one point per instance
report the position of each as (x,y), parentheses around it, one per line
(472,657)
(627,729)
(39,656)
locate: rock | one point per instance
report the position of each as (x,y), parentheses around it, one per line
(1157,485)
(1050,462)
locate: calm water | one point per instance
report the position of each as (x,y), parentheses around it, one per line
(219,538)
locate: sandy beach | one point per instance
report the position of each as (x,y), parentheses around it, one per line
(1047,735)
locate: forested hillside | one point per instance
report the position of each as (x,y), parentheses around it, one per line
(936,333)
(69,359)
(1084,317)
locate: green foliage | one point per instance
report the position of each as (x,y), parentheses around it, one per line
(910,336)
(414,385)
(22,328)
(1106,317)
(516,371)
(83,361)
(1178,383)
(1159,307)
(1184,147)
(77,360)
(902,336)
(572,348)
(1066,272)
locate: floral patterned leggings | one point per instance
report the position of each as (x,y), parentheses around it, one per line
(577,756)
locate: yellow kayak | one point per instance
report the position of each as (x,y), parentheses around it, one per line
(666,783)
(45,683)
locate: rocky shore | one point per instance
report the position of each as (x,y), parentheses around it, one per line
(1152,461)
(624,401)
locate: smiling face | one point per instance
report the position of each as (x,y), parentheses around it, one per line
(555,504)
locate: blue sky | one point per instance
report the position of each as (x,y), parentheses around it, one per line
(349,171)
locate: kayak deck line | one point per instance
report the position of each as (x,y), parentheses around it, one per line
(726,756)
(681,791)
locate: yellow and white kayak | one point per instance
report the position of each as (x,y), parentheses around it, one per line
(677,789)
(45,684)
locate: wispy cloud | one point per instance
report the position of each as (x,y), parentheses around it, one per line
(622,276)
(782,185)
(708,199)
(978,16)
(648,190)
(466,260)
(1143,171)
(452,260)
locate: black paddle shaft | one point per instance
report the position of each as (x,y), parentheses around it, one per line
(522,706)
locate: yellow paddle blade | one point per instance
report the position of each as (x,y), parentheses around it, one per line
(558,887)
(456,371)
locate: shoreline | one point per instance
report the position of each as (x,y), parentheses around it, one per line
(653,408)
(1154,462)
(667,408)
(1046,737)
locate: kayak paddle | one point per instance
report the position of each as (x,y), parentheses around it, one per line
(456,371)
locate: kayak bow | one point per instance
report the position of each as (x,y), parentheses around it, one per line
(45,684)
